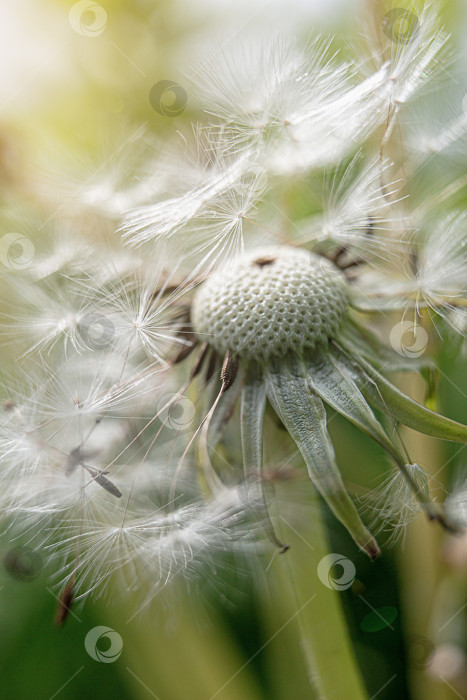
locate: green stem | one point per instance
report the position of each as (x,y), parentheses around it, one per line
(332,666)
(420,567)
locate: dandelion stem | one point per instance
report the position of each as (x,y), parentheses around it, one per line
(331,663)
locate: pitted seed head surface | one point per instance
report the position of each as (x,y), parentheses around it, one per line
(270,302)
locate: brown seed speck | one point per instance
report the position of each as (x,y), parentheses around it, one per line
(264,261)
(65,601)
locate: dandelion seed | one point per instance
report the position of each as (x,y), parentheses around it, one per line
(357,209)
(64,604)
(394,505)
(124,173)
(411,65)
(436,281)
(289,103)
(211,210)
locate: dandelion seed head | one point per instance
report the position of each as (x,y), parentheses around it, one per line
(271,301)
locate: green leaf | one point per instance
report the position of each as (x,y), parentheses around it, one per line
(333,382)
(304,416)
(362,342)
(251,423)
(386,397)
(252,417)
(330,379)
